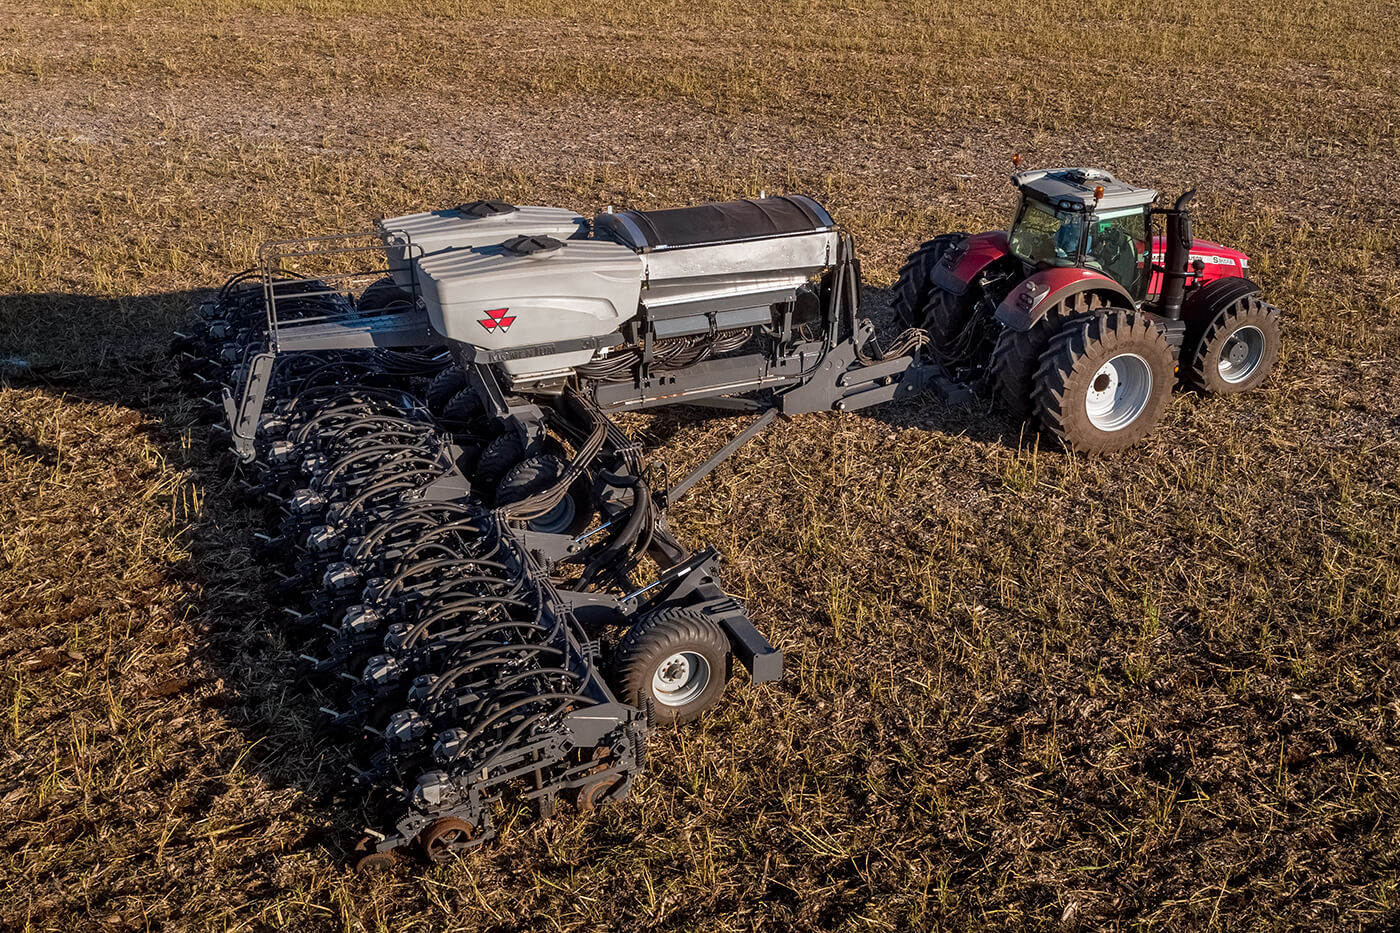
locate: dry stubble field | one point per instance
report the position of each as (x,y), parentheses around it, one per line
(1157,691)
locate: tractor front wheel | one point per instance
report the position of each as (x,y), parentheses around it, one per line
(1238,348)
(1104,383)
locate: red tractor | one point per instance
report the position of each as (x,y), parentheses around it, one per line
(1076,322)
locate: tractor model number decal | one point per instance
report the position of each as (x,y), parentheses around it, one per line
(497,319)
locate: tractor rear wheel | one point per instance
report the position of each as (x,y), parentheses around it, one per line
(961,328)
(911,289)
(1016,354)
(1238,348)
(1104,382)
(677,659)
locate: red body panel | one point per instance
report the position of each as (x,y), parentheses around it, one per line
(1023,306)
(974,255)
(1025,303)
(1220,262)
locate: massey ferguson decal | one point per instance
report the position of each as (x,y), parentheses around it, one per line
(497,320)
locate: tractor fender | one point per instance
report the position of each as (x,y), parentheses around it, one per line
(964,262)
(1031,300)
(1204,302)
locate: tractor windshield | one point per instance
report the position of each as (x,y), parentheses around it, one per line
(1042,234)
(1116,242)
(1117,247)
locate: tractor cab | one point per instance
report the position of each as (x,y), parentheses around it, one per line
(1086,218)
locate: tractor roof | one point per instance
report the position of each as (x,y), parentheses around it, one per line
(1069,187)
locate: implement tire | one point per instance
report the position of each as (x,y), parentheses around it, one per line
(677,659)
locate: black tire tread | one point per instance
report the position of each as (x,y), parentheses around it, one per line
(1016,355)
(497,458)
(912,285)
(668,627)
(537,473)
(444,387)
(1200,373)
(1058,401)
(464,405)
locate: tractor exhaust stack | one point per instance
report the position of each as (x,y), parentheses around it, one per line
(1178,251)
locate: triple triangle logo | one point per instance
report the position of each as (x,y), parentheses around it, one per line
(497,319)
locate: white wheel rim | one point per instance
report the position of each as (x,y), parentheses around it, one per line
(1118,392)
(680,678)
(1242,354)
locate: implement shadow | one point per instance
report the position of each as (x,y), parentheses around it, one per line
(133,616)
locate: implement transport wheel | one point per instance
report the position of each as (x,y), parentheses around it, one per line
(443,839)
(1104,383)
(502,454)
(570,516)
(443,388)
(381,295)
(1238,348)
(676,658)
(464,405)
(1016,354)
(911,289)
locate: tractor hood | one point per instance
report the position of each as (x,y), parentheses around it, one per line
(1219,262)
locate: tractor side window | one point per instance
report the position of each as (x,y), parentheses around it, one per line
(1042,234)
(1117,247)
